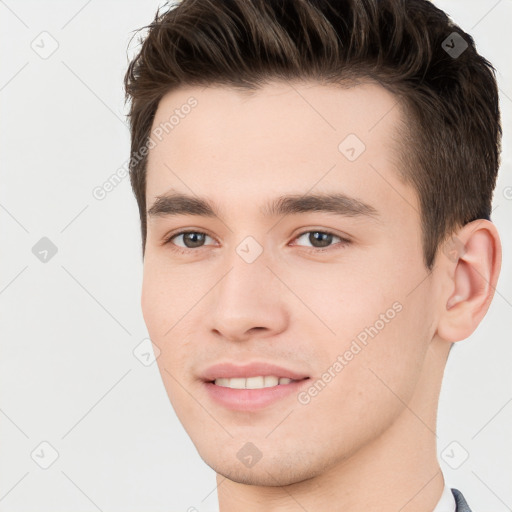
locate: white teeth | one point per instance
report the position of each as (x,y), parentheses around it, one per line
(253,382)
(260,382)
(237,383)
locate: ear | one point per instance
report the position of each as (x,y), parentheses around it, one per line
(471,263)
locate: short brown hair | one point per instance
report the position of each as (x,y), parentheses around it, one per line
(450,149)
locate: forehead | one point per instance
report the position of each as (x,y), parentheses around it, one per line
(283,138)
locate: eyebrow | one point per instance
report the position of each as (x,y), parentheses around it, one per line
(175,203)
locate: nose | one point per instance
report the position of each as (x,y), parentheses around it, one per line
(250,300)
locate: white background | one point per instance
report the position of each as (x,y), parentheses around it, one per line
(69,326)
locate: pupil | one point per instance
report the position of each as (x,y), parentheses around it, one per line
(193,237)
(327,239)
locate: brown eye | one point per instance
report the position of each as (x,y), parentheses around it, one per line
(190,239)
(322,239)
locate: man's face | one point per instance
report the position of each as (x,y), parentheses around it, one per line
(252,287)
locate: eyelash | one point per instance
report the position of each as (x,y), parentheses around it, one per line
(343,241)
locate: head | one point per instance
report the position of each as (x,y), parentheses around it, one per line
(381,127)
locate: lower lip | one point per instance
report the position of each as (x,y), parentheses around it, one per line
(251,399)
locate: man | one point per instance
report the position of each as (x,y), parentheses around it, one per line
(314,181)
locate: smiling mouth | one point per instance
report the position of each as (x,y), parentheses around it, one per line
(257,382)
(252,394)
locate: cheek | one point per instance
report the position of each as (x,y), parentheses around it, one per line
(167,303)
(163,287)
(157,301)
(378,327)
(342,298)
(377,376)
(150,304)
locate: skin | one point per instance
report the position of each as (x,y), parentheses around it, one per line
(367,440)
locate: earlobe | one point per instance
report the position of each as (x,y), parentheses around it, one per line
(472,272)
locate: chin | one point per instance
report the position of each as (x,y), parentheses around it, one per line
(270,472)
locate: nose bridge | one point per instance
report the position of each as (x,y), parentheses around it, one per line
(248,296)
(248,280)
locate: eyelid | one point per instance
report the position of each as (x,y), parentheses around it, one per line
(344,240)
(167,238)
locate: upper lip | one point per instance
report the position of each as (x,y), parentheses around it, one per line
(255,369)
